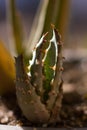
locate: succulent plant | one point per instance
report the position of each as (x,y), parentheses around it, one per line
(48,12)
(39,90)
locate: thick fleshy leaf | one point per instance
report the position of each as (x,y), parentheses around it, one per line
(15,26)
(50,60)
(43,86)
(28,100)
(36,66)
(57,81)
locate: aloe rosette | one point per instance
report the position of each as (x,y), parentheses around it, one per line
(39,91)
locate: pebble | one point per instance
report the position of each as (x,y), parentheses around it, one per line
(4,120)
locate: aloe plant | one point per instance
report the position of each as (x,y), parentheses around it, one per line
(39,90)
(39,87)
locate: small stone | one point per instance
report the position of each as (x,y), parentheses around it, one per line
(10,113)
(4,120)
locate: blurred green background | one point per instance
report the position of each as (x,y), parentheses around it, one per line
(27,9)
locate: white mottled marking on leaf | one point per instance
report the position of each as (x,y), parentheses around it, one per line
(31,62)
(52,81)
(40,41)
(53,39)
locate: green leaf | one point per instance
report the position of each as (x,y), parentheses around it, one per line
(36,66)
(50,60)
(15,26)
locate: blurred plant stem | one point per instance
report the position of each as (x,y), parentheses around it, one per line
(7,65)
(7,71)
(49,12)
(15,26)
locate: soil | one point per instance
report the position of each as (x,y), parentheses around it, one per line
(74,106)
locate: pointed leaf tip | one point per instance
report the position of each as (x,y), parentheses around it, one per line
(52,26)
